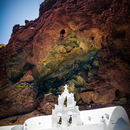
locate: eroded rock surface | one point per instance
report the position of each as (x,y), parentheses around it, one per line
(84,43)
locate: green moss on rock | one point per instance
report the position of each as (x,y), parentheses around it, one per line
(15,66)
(68,50)
(65,60)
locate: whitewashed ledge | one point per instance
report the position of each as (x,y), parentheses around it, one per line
(13,127)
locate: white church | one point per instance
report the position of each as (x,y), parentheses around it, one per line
(66,116)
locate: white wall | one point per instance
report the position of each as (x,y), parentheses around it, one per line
(13,127)
(111,118)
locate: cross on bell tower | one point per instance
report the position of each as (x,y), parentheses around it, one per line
(66,113)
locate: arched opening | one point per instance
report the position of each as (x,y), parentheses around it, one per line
(65,102)
(121,124)
(70,113)
(60,120)
(70,119)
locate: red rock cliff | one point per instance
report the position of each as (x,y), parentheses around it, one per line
(84,43)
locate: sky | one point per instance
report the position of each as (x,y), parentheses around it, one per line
(16,12)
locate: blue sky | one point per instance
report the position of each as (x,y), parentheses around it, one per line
(16,12)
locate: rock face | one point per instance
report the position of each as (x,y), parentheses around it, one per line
(47,104)
(84,43)
(17,99)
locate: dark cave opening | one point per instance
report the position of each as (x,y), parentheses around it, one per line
(92,38)
(62,32)
(117,93)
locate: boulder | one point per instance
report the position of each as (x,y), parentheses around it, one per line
(17,99)
(47,103)
(101,97)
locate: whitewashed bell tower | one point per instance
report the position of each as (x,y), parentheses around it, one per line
(66,113)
